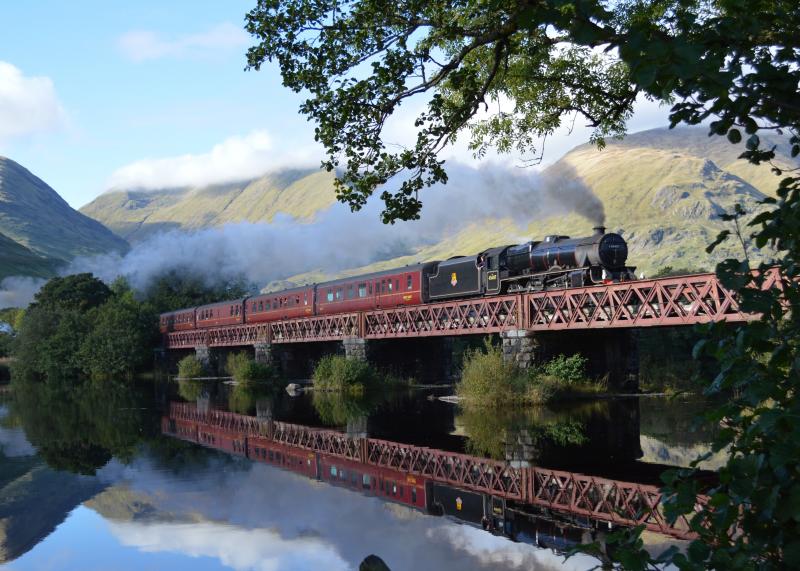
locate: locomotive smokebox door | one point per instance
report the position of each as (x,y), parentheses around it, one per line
(456,277)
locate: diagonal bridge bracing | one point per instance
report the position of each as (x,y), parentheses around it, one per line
(682,300)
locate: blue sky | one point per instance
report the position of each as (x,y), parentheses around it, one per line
(98,94)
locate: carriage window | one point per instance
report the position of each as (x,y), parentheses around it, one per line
(413,495)
(370,288)
(365,482)
(330,295)
(305,298)
(408,282)
(237,310)
(333,471)
(338,293)
(231,310)
(397,285)
(390,284)
(362,290)
(297,300)
(255,306)
(350,292)
(261,305)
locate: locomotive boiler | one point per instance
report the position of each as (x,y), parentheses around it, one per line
(554,262)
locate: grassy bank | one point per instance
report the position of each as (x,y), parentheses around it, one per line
(487,380)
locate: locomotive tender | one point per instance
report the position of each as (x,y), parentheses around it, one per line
(552,263)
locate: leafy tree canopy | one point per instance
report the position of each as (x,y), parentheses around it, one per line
(77,291)
(511,72)
(176,290)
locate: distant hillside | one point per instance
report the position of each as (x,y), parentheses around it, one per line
(662,189)
(17,260)
(34,215)
(136,214)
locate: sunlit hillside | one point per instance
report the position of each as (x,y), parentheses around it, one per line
(135,215)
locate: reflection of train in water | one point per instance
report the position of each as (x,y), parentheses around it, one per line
(555,262)
(517,521)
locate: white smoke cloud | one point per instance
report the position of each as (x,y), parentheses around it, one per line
(27,104)
(235,158)
(236,548)
(142,45)
(18,291)
(339,239)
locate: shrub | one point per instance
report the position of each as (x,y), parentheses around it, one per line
(487,379)
(568,370)
(190,367)
(243,368)
(338,373)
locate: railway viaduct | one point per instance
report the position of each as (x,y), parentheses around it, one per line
(598,321)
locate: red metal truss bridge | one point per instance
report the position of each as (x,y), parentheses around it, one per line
(682,300)
(570,493)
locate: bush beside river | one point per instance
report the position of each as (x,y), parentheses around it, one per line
(488,380)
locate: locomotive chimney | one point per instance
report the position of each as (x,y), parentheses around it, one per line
(599,229)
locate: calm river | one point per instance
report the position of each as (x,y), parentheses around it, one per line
(108,477)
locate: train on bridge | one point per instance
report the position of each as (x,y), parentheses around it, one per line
(552,263)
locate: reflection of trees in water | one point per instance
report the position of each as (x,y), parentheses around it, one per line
(251,397)
(603,429)
(518,433)
(340,409)
(78,426)
(192,389)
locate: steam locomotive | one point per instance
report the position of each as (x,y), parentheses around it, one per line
(552,263)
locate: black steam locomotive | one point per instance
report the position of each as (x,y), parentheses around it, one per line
(555,262)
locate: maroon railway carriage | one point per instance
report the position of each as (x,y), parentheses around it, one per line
(221,313)
(387,484)
(286,304)
(386,289)
(287,457)
(178,320)
(221,439)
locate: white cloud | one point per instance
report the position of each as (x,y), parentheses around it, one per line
(236,158)
(28,105)
(142,45)
(236,548)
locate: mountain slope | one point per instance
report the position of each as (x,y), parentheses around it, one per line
(34,215)
(659,189)
(17,260)
(134,215)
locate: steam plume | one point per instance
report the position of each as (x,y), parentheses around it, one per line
(339,239)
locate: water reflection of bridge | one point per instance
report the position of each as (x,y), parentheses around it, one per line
(487,492)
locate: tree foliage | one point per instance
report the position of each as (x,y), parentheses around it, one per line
(529,66)
(512,72)
(176,290)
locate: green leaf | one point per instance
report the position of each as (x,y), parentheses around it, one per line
(734,136)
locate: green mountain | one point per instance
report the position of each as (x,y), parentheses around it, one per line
(134,215)
(35,216)
(17,260)
(662,189)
